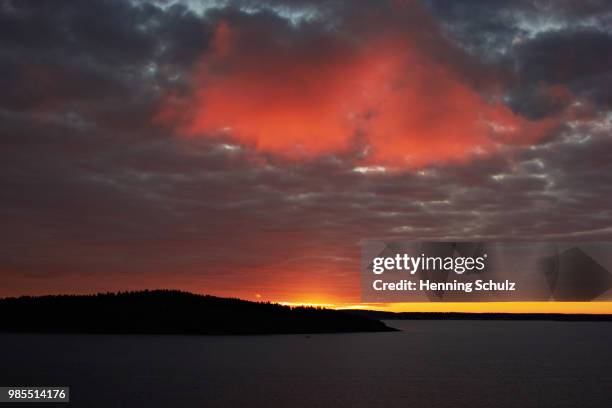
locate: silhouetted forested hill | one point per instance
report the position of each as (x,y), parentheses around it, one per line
(165,311)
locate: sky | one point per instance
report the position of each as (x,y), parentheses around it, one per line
(246,148)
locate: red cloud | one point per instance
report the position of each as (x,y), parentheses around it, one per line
(325,95)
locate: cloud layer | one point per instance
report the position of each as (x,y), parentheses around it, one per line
(379,92)
(247,149)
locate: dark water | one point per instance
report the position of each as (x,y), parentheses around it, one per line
(428,364)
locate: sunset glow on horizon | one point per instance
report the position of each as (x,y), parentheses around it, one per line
(247,149)
(603,307)
(595,307)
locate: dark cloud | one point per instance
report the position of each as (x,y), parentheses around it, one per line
(549,49)
(97,194)
(89,55)
(577,59)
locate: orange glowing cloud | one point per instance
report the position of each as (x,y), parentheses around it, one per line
(383,97)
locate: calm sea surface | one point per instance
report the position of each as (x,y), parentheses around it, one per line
(428,364)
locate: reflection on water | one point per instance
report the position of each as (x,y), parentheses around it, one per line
(428,364)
